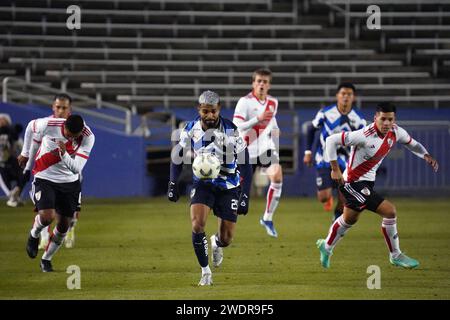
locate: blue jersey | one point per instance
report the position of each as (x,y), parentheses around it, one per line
(223,141)
(330,121)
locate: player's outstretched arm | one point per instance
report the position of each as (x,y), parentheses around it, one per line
(310,133)
(419,150)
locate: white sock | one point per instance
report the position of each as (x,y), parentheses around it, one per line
(336,232)
(37,227)
(45,233)
(74,221)
(273,198)
(389,229)
(206,270)
(55,243)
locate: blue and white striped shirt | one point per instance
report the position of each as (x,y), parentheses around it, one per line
(331,121)
(223,141)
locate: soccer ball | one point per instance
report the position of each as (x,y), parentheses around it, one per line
(206,166)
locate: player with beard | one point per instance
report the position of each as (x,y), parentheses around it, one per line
(224,195)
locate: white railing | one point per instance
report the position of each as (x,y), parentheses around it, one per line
(12,94)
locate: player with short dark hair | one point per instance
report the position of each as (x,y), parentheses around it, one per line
(255,116)
(65,147)
(62,108)
(225,195)
(335,118)
(369,146)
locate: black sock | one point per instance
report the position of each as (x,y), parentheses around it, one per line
(219,244)
(200,247)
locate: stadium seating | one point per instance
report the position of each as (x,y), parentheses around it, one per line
(145,54)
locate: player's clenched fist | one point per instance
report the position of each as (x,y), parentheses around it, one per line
(172,192)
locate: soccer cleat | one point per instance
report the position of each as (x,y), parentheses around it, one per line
(269,227)
(12,203)
(69,241)
(217,252)
(404,261)
(32,246)
(43,243)
(46,265)
(328,206)
(206,279)
(324,253)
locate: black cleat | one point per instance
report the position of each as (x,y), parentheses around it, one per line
(32,246)
(46,265)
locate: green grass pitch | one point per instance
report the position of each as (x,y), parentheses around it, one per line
(141,249)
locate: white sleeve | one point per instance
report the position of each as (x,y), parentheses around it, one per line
(331,146)
(417,148)
(240,117)
(38,128)
(318,119)
(353,138)
(77,164)
(403,136)
(412,145)
(27,140)
(33,150)
(344,138)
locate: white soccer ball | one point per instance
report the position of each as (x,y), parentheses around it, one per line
(206,166)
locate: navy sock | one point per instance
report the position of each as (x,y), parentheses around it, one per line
(200,247)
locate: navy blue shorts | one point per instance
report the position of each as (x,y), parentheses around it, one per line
(224,203)
(323,179)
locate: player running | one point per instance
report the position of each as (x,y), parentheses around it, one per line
(62,108)
(255,117)
(335,118)
(224,195)
(65,146)
(369,146)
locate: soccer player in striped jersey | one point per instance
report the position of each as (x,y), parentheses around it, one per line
(65,147)
(369,146)
(335,118)
(254,115)
(62,108)
(225,195)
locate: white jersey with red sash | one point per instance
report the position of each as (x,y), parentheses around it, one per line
(49,165)
(369,148)
(258,134)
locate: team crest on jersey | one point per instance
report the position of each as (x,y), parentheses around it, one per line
(365,191)
(37,195)
(192,193)
(319,181)
(390,142)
